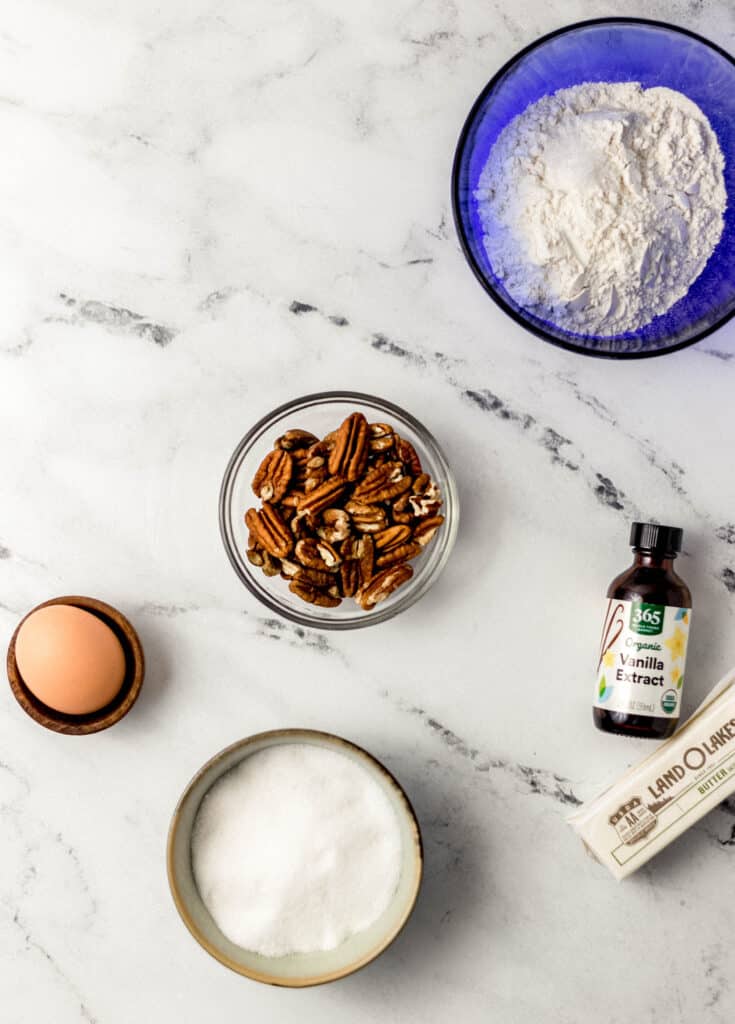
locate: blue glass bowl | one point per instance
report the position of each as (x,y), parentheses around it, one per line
(607,50)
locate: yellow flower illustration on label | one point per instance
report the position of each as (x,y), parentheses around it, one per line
(676,644)
(608,660)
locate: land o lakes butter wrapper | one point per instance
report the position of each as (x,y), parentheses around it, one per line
(654,802)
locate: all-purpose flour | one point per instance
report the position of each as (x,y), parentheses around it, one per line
(602,203)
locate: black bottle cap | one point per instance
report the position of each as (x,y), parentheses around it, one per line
(652,537)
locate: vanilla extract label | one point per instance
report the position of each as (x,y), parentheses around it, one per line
(642,658)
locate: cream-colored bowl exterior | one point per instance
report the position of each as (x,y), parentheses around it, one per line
(302,969)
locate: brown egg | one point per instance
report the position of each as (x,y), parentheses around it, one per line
(70,659)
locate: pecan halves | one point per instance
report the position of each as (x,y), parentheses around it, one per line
(317,554)
(310,470)
(314,480)
(382,483)
(271,565)
(342,516)
(383,585)
(292,500)
(421,483)
(426,528)
(426,498)
(299,527)
(402,553)
(316,577)
(362,550)
(391,537)
(315,471)
(271,481)
(367,518)
(335,525)
(349,455)
(263,560)
(382,437)
(408,456)
(294,440)
(290,569)
(270,531)
(322,448)
(401,512)
(350,577)
(321,497)
(314,595)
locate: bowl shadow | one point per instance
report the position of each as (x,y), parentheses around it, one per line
(158,665)
(451,882)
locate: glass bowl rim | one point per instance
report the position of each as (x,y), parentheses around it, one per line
(411,591)
(533,328)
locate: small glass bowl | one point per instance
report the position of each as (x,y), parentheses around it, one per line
(607,50)
(320,414)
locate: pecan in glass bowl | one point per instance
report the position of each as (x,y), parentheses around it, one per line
(338,510)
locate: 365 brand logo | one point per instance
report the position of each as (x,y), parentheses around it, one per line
(647,619)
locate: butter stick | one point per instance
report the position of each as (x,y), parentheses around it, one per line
(657,800)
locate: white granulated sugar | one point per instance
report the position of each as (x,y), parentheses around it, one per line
(602,203)
(295,850)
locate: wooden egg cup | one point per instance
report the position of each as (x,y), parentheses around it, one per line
(118,707)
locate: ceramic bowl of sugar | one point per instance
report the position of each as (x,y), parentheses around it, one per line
(294,857)
(594,187)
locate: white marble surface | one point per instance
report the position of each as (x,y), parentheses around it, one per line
(174,177)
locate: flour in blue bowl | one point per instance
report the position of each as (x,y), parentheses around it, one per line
(602,203)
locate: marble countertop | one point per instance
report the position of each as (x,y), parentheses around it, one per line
(207,209)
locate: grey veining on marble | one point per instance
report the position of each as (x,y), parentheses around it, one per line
(208,208)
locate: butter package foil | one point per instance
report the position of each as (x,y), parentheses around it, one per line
(653,803)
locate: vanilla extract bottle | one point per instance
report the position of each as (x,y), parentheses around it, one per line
(640,671)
